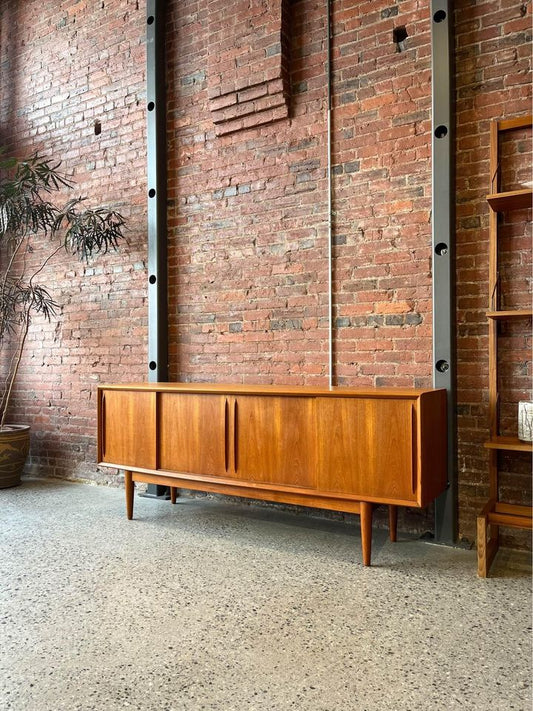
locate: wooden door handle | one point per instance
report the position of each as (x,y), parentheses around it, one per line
(235,443)
(414,450)
(226,433)
(102,425)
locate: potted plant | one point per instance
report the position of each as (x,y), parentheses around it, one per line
(27,215)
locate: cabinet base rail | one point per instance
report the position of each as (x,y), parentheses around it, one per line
(363,508)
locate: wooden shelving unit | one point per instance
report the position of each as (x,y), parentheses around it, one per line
(497,513)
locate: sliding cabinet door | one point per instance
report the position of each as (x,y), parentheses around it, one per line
(127,428)
(193,433)
(275,440)
(367,447)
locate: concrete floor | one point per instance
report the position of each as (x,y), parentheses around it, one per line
(217,606)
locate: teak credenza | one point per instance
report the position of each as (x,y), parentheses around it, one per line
(340,449)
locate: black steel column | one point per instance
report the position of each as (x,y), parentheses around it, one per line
(443,241)
(157,201)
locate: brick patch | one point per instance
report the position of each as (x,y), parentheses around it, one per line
(248,64)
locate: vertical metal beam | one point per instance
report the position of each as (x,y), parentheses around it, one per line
(157,192)
(157,202)
(443,242)
(331,370)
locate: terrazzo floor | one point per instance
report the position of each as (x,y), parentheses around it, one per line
(216,606)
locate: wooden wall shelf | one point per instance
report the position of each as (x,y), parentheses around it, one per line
(512,200)
(511,444)
(512,314)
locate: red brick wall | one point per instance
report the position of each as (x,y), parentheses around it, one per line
(247,212)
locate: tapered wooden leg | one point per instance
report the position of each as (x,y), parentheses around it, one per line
(366,530)
(128,481)
(393,522)
(173,494)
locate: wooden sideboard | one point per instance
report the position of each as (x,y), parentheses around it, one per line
(331,448)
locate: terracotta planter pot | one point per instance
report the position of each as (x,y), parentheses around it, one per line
(14,448)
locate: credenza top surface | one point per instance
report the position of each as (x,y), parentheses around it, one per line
(288,390)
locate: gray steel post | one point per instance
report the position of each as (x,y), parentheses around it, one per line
(157,192)
(157,201)
(443,242)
